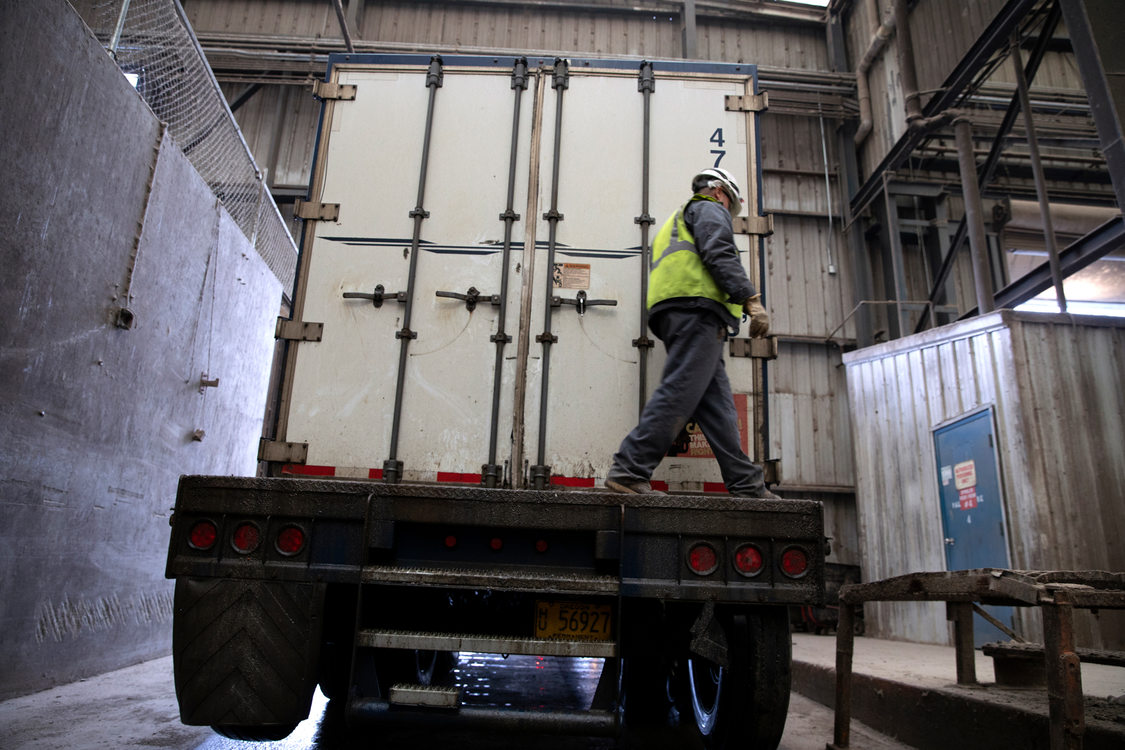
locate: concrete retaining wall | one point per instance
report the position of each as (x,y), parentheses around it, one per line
(103,211)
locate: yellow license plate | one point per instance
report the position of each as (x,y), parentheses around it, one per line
(572,621)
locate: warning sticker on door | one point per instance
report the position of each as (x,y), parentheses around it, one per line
(571,276)
(965,475)
(967,498)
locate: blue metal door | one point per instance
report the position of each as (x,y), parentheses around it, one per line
(972,508)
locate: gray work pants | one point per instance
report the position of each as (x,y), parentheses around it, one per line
(693,387)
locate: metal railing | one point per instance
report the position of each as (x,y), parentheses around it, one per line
(155,47)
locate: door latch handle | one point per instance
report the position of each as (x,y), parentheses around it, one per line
(472,297)
(949,541)
(581,302)
(377,296)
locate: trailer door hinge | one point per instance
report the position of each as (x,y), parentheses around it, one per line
(754,348)
(332,90)
(771,470)
(280,452)
(316,211)
(750,103)
(295,330)
(759,225)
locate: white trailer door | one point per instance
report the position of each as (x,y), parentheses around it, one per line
(355,399)
(430,167)
(594,384)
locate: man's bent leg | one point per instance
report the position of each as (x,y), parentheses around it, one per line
(719,422)
(694,344)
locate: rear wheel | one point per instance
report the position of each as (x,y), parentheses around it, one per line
(744,703)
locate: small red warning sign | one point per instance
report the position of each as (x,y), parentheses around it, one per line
(968,498)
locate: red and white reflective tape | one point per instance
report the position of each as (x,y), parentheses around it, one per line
(466,478)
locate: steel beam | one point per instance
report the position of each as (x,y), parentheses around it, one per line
(1079,254)
(988,169)
(1095,28)
(992,39)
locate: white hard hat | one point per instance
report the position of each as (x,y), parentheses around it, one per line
(718,177)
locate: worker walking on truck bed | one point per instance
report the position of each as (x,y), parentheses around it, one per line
(697,291)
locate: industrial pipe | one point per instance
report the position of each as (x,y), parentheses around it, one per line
(906,63)
(970,191)
(883,32)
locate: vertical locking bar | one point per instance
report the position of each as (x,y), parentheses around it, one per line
(392,467)
(560,81)
(646,84)
(492,474)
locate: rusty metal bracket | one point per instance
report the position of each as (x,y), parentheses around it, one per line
(759,225)
(296,330)
(310,211)
(750,103)
(771,471)
(1056,593)
(277,451)
(332,90)
(766,348)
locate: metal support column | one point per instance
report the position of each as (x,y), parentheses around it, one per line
(961,615)
(978,244)
(687,25)
(1064,674)
(845,648)
(892,234)
(1037,171)
(1095,28)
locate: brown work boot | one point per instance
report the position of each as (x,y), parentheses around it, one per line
(631,487)
(763,493)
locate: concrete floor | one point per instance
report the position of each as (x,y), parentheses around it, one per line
(136,707)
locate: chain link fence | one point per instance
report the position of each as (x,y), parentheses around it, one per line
(156,48)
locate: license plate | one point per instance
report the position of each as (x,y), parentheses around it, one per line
(572,621)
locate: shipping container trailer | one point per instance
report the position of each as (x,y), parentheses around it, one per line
(468,345)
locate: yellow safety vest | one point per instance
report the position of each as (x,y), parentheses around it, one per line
(677,269)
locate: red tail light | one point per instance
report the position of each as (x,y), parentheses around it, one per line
(748,560)
(794,562)
(290,540)
(246,538)
(202,535)
(450,542)
(541,546)
(702,559)
(496,543)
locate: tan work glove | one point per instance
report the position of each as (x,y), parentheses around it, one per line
(759,318)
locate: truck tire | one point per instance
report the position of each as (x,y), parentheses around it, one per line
(744,704)
(245,654)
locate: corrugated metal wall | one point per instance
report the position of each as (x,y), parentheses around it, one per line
(279,124)
(1055,383)
(617,29)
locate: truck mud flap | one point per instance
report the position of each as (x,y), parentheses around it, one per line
(245,651)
